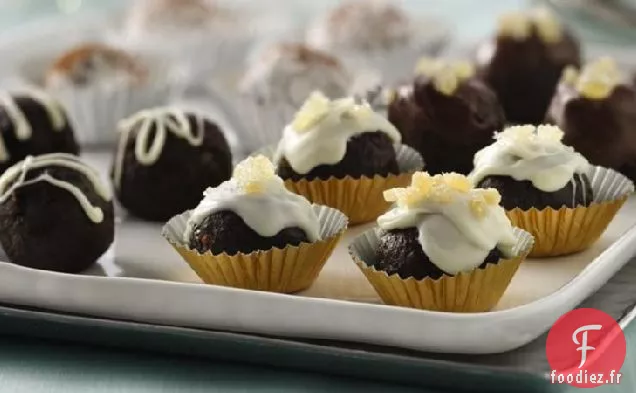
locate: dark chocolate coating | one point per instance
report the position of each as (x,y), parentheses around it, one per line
(525,73)
(601,130)
(226,232)
(524,195)
(447,130)
(368,154)
(400,251)
(44,227)
(176,181)
(44,138)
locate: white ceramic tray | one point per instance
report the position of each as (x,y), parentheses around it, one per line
(147,281)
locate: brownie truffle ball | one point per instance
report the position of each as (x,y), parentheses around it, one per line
(253,211)
(400,252)
(337,138)
(165,159)
(55,214)
(596,109)
(523,63)
(94,63)
(430,231)
(447,115)
(532,168)
(32,123)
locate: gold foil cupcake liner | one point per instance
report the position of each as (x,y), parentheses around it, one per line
(477,291)
(287,270)
(570,230)
(361,199)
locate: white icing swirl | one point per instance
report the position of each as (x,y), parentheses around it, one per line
(454,237)
(266,212)
(15,178)
(155,122)
(322,128)
(530,153)
(21,126)
(289,73)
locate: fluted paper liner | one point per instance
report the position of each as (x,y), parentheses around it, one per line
(569,230)
(95,110)
(477,291)
(286,270)
(361,199)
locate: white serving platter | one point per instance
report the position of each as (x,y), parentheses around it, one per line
(143,279)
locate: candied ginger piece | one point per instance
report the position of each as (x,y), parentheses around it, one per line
(446,81)
(515,25)
(599,78)
(491,196)
(428,66)
(252,173)
(463,69)
(313,110)
(457,182)
(547,25)
(570,75)
(478,207)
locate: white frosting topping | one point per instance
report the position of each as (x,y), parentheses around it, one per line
(289,73)
(530,153)
(446,76)
(260,198)
(321,129)
(458,225)
(157,123)
(15,178)
(21,126)
(366,25)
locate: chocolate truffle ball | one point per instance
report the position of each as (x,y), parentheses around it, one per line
(400,252)
(447,115)
(523,63)
(226,232)
(32,123)
(524,195)
(165,159)
(368,154)
(596,109)
(95,63)
(55,214)
(337,138)
(288,73)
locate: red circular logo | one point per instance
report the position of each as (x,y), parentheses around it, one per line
(586,349)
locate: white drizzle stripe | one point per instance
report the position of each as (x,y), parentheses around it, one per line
(451,235)
(16,175)
(164,119)
(325,140)
(530,153)
(267,212)
(21,125)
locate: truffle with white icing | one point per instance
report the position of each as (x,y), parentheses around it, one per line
(288,73)
(32,123)
(95,64)
(447,114)
(166,157)
(362,25)
(250,212)
(524,61)
(337,138)
(532,168)
(441,225)
(596,109)
(55,213)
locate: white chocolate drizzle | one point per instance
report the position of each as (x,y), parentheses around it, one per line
(21,125)
(15,178)
(458,225)
(535,154)
(322,128)
(596,81)
(157,121)
(260,198)
(518,25)
(446,76)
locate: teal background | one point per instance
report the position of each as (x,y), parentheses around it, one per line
(35,365)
